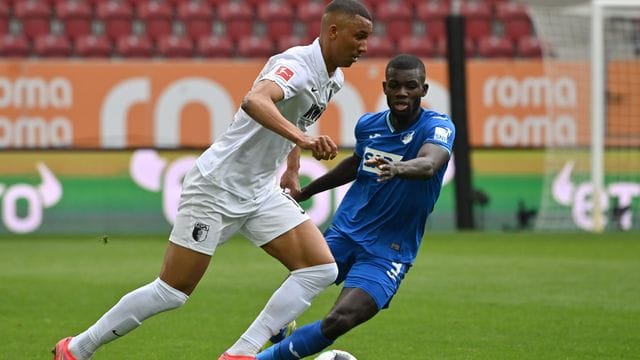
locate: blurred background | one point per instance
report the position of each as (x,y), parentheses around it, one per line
(104,105)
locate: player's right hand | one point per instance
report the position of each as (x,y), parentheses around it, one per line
(322,147)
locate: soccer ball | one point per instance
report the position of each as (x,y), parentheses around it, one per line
(335,355)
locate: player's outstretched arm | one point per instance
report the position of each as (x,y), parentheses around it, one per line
(260,104)
(341,174)
(430,158)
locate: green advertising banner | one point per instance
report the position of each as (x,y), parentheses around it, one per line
(137,192)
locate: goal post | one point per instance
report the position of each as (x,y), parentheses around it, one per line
(594,183)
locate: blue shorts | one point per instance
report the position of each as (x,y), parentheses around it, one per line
(377,276)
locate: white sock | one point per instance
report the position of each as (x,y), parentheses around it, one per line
(126,315)
(285,305)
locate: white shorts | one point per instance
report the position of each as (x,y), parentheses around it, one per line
(209,215)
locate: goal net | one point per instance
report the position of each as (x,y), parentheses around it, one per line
(592,58)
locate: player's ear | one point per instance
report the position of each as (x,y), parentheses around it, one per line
(384,86)
(425,89)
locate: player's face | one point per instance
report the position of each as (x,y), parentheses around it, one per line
(404,90)
(351,39)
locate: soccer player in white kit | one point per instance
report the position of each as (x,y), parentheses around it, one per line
(233,189)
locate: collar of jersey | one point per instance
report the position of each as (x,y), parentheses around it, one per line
(393,130)
(318,60)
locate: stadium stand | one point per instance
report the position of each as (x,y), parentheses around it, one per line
(255,46)
(515,19)
(380,46)
(420,46)
(116,18)
(433,16)
(76,17)
(50,45)
(134,46)
(157,18)
(215,47)
(479,21)
(397,19)
(197,18)
(214,25)
(494,46)
(529,47)
(309,14)
(34,16)
(4,18)
(175,46)
(237,18)
(277,17)
(92,46)
(14,46)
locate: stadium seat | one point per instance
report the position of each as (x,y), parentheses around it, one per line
(529,47)
(34,16)
(214,47)
(237,18)
(421,46)
(14,46)
(277,17)
(4,18)
(50,45)
(134,46)
(76,17)
(515,18)
(309,14)
(287,42)
(433,15)
(495,47)
(255,46)
(197,18)
(379,47)
(397,19)
(157,18)
(479,22)
(174,46)
(116,17)
(92,46)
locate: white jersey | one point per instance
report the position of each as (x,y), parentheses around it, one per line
(245,159)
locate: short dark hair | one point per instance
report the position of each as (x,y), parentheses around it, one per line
(349,7)
(406,62)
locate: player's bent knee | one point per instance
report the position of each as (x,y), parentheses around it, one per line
(316,278)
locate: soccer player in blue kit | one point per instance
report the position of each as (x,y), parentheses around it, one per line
(399,161)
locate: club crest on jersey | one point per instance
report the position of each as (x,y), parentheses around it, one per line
(285,73)
(200,232)
(408,137)
(442,134)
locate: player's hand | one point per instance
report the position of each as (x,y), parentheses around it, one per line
(387,169)
(300,196)
(290,182)
(322,147)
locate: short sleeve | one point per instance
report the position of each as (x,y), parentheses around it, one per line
(288,74)
(442,132)
(360,140)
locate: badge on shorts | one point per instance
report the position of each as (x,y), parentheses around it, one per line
(200,232)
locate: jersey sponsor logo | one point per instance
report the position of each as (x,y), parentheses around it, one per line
(370,153)
(200,232)
(284,72)
(408,137)
(442,134)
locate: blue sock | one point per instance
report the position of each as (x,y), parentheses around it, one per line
(305,341)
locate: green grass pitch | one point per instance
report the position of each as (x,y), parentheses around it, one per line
(469,296)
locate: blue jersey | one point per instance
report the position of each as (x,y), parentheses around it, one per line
(388,218)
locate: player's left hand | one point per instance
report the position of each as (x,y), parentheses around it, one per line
(387,169)
(290,182)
